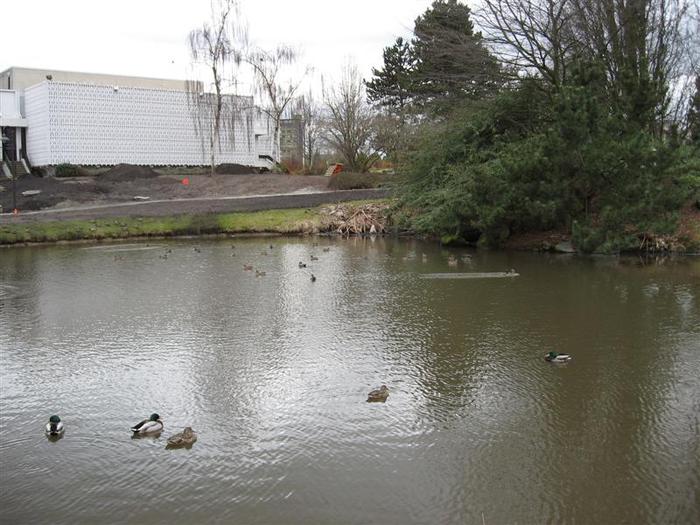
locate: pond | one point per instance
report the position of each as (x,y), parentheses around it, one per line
(273,371)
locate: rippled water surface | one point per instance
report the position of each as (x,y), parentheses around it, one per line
(272,372)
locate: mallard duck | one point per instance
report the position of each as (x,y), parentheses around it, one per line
(258,273)
(183,439)
(248,267)
(451,261)
(378,394)
(313,278)
(555,357)
(313,258)
(148,426)
(55,426)
(425,258)
(326,249)
(302,265)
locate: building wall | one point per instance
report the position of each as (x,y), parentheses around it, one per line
(36,100)
(99,125)
(292,139)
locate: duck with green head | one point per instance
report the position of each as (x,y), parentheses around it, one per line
(556,357)
(148,426)
(55,426)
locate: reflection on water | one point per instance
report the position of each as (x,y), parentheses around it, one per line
(273,373)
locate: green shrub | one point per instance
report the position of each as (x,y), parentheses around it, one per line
(532,161)
(70,170)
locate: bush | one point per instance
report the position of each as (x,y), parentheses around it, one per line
(532,161)
(71,170)
(292,167)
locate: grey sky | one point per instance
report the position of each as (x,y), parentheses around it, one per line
(149,37)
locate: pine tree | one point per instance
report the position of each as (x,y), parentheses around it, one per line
(451,61)
(390,86)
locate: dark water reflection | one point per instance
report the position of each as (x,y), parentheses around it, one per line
(273,373)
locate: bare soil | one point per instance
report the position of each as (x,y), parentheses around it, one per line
(122,183)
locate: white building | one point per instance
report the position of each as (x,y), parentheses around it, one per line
(90,119)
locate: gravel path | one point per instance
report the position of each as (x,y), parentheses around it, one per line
(155,208)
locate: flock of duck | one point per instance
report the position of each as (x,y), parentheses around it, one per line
(185,439)
(151,426)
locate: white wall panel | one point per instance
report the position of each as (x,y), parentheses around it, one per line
(101,125)
(36,107)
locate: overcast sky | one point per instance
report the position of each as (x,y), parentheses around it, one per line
(149,37)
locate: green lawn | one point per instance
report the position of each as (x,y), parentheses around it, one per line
(274,221)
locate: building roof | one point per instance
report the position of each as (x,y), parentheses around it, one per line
(19,78)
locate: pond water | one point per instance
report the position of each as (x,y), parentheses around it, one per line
(272,372)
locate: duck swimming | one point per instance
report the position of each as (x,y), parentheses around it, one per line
(183,439)
(55,426)
(378,394)
(148,426)
(555,357)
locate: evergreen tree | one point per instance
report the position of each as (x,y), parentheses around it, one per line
(390,86)
(451,61)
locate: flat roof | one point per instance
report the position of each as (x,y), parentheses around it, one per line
(48,70)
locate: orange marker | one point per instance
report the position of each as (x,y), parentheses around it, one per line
(186,181)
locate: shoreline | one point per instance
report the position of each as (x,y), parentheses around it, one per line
(300,221)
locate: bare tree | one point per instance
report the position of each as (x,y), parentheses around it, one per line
(307,107)
(350,119)
(529,34)
(639,43)
(274,85)
(217,45)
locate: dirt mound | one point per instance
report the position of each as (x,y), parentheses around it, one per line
(127,172)
(235,169)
